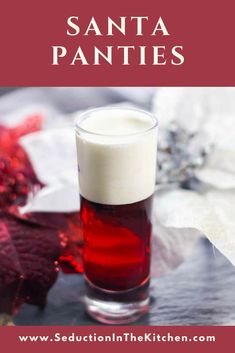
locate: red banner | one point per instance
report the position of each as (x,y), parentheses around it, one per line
(66,43)
(125,339)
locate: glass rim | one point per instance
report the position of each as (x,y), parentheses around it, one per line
(88,112)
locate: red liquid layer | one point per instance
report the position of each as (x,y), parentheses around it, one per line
(116,243)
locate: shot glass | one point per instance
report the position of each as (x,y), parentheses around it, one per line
(116,151)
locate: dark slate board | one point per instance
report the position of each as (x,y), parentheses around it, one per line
(200,292)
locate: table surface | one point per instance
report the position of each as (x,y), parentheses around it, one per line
(199,292)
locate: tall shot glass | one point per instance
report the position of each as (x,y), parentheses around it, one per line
(116,151)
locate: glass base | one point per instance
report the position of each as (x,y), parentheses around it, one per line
(119,307)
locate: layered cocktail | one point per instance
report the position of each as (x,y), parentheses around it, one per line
(116,149)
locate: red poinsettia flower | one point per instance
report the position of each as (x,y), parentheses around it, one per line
(31,245)
(16,173)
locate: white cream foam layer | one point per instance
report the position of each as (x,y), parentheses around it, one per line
(117,162)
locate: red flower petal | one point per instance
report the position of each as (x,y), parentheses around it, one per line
(28,262)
